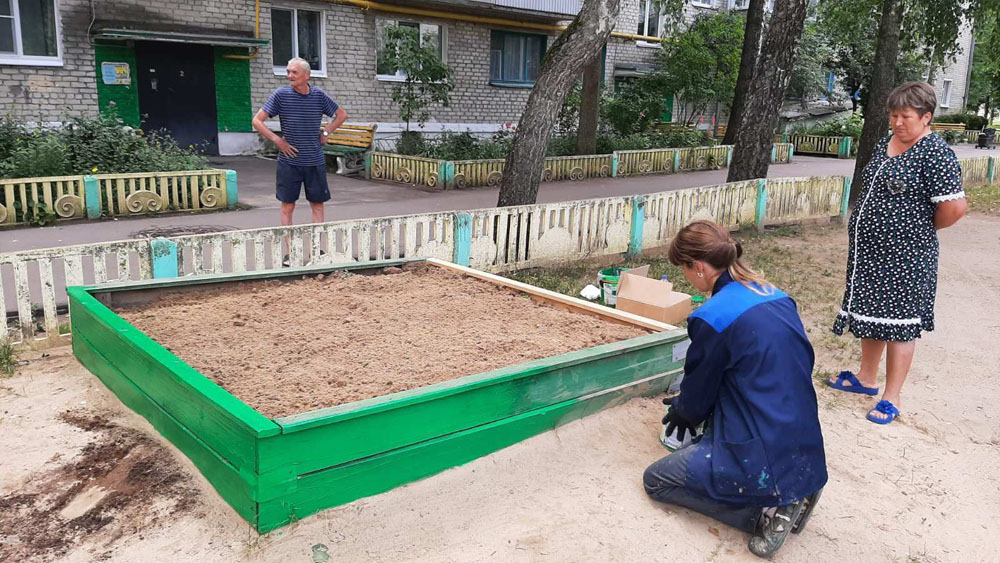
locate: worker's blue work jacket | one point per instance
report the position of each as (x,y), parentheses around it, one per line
(749,373)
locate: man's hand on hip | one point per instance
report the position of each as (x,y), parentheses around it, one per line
(323,138)
(285,148)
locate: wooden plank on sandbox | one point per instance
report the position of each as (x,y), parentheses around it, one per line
(377,474)
(357,430)
(208,411)
(235,488)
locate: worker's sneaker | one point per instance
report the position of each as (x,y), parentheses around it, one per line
(773,529)
(807,510)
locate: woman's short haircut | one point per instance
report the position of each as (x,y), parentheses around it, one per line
(917,95)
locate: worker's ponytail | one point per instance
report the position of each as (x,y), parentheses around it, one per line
(709,243)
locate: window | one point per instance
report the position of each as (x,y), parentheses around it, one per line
(430,35)
(297,33)
(739,4)
(650,22)
(708,3)
(946,93)
(29,33)
(515,58)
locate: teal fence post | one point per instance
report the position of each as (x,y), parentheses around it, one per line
(638,225)
(992,170)
(92,197)
(446,174)
(729,156)
(164,255)
(774,153)
(791,152)
(845,148)
(677,160)
(463,239)
(368,166)
(614,164)
(845,198)
(232,189)
(761,212)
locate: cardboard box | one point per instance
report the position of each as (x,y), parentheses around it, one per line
(653,299)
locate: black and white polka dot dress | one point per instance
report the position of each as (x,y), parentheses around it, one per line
(892,256)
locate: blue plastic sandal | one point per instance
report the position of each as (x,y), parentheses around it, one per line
(854,387)
(886,408)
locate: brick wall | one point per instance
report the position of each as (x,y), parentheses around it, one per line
(350,55)
(957,72)
(49,93)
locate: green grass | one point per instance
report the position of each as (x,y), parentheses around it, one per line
(8,357)
(984,199)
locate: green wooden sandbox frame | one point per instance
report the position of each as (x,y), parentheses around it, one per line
(273,472)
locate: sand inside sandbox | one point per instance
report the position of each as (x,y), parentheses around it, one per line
(286,348)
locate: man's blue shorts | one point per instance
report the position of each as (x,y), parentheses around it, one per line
(291,177)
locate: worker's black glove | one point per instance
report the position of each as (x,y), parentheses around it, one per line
(674,421)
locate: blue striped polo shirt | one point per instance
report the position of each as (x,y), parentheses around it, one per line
(301,116)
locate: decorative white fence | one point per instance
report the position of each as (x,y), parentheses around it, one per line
(33,283)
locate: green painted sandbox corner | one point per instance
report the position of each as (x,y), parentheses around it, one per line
(275,471)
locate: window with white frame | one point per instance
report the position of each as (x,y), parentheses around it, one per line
(297,33)
(432,36)
(739,4)
(706,3)
(29,32)
(650,21)
(946,93)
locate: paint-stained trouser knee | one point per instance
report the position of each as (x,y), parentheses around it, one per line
(664,481)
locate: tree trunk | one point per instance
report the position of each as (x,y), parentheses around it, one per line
(752,153)
(590,99)
(882,82)
(573,49)
(748,60)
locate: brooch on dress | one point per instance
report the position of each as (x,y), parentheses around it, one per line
(896,186)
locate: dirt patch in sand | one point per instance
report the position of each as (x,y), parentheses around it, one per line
(290,347)
(121,482)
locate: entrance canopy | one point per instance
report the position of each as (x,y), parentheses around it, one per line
(193,37)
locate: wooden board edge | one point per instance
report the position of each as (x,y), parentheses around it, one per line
(377,474)
(244,276)
(552,296)
(304,421)
(256,424)
(232,485)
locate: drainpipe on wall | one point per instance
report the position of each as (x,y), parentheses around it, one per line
(256,35)
(365,5)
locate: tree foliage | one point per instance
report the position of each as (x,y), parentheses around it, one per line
(809,76)
(984,90)
(702,62)
(427,80)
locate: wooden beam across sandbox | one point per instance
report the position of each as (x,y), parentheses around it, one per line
(274,471)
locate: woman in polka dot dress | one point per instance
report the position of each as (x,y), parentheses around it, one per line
(911,188)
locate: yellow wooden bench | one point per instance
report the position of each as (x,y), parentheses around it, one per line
(349,144)
(948,127)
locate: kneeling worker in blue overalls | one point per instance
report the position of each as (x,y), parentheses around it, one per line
(760,465)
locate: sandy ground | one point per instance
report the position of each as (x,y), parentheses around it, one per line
(288,348)
(924,489)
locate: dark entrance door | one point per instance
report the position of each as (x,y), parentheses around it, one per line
(177,92)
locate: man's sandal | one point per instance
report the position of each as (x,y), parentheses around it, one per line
(886,408)
(854,387)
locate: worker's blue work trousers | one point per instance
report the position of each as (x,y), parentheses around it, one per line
(665,482)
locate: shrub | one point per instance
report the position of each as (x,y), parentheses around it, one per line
(83,144)
(849,126)
(972,121)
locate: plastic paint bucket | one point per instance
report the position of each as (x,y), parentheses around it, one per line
(609,289)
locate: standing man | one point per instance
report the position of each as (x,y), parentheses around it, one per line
(300,108)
